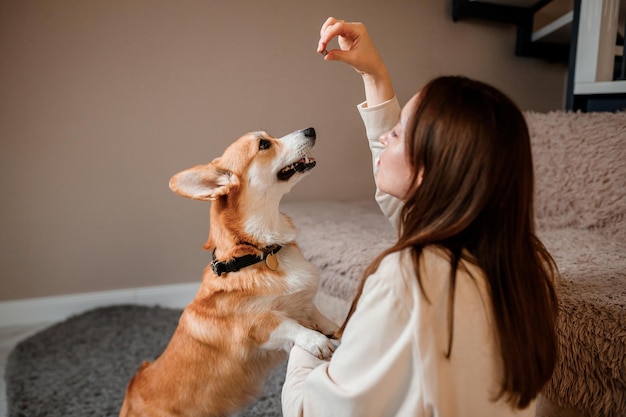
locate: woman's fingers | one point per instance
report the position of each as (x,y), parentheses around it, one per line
(336,28)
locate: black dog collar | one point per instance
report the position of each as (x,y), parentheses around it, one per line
(235,264)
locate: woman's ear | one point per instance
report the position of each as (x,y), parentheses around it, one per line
(204,182)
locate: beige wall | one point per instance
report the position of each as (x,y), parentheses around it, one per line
(101,101)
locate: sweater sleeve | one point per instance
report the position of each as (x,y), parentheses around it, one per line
(378,120)
(370,372)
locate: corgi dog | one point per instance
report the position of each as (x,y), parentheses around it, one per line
(256,297)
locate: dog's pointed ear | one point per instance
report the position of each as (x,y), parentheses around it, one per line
(204,182)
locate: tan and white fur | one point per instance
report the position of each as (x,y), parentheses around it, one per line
(240,324)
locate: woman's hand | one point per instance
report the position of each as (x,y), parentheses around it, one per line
(357,49)
(356,46)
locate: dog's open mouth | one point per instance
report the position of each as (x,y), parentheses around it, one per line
(305,164)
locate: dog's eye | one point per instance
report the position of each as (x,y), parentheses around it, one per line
(264,144)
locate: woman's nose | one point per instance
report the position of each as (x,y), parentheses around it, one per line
(383,139)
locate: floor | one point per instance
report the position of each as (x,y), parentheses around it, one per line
(9,337)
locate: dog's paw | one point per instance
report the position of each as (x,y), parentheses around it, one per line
(329,329)
(323,324)
(316,344)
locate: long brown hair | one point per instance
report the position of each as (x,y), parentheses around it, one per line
(472,146)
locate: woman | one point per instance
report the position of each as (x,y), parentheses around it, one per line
(457,318)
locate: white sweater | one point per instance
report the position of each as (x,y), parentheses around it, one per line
(391,361)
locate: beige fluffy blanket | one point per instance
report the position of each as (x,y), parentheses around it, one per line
(580,170)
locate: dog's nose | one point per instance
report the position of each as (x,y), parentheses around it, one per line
(309,133)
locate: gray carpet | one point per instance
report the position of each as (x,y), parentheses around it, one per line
(81,367)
